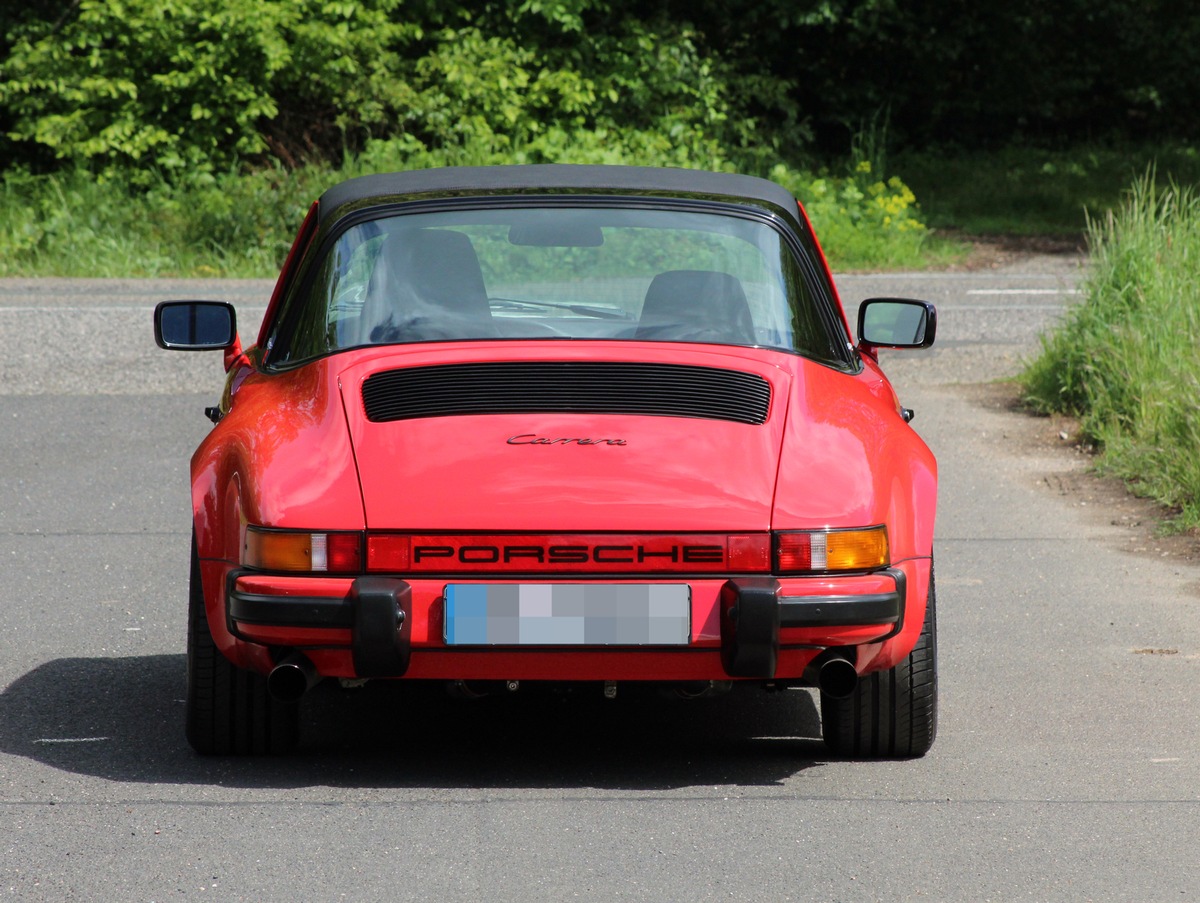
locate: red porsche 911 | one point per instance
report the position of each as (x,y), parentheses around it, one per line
(577,424)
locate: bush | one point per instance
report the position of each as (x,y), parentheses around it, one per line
(180,86)
(862,220)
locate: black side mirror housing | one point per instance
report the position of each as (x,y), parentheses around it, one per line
(195,325)
(896,323)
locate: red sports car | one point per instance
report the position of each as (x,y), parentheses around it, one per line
(576,424)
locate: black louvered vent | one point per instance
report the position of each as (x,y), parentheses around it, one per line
(672,390)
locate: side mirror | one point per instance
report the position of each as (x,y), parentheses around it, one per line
(195,325)
(896,323)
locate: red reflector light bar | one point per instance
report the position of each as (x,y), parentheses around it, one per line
(526,553)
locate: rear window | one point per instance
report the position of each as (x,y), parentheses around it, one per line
(600,273)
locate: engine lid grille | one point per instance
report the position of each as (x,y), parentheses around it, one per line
(590,387)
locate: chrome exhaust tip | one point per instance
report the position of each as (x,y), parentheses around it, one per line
(292,678)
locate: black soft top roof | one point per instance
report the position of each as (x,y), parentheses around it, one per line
(552,178)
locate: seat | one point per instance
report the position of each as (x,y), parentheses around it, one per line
(696,306)
(426,286)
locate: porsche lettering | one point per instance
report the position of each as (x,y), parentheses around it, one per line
(568,554)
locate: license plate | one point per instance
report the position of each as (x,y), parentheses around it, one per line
(567,614)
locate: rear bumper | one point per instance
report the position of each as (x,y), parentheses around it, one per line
(746,627)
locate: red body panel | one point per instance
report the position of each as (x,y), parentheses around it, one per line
(461,474)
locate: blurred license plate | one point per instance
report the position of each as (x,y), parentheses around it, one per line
(567,614)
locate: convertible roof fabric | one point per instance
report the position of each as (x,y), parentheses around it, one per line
(549,178)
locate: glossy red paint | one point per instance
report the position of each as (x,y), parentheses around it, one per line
(461,473)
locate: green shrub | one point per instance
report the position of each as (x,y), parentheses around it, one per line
(1125,361)
(862,220)
(180,86)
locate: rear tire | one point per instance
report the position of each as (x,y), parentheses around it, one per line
(891,714)
(229,711)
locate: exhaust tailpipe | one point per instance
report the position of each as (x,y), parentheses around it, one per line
(834,674)
(292,678)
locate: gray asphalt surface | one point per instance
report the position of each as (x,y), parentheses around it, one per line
(1065,767)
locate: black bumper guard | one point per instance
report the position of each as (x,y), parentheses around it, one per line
(753,611)
(378,612)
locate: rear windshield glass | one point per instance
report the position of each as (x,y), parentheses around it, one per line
(600,273)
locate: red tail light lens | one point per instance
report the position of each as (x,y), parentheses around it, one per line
(343,553)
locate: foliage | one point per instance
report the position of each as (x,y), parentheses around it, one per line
(867,220)
(68,224)
(181,85)
(969,75)
(1125,360)
(241,224)
(186,85)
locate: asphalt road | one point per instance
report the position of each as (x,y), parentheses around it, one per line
(1065,766)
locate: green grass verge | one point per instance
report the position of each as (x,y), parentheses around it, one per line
(1027,191)
(241,224)
(1126,360)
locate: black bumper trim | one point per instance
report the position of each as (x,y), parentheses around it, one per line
(381,643)
(824,611)
(377,611)
(289,611)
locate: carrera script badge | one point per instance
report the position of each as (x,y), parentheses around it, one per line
(533,439)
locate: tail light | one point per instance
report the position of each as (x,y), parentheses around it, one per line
(825,551)
(290,550)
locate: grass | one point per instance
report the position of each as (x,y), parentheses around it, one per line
(1125,361)
(904,212)
(1026,191)
(241,224)
(76,225)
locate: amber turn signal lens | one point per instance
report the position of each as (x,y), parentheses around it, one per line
(856,550)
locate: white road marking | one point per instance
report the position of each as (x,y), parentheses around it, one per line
(1023,291)
(54,308)
(1003,307)
(72,740)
